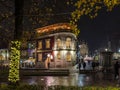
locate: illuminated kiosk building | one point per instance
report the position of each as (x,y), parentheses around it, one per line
(56,45)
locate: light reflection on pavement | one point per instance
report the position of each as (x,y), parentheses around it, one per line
(74,79)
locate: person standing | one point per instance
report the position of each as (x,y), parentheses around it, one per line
(49,62)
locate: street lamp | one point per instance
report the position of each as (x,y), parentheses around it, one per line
(106,49)
(119,50)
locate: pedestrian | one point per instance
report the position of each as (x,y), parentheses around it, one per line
(79,65)
(88,62)
(93,65)
(84,65)
(49,62)
(118,84)
(116,69)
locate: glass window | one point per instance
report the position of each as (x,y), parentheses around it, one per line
(68,56)
(40,57)
(58,43)
(68,42)
(47,42)
(40,45)
(58,55)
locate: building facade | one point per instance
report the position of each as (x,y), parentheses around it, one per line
(55,47)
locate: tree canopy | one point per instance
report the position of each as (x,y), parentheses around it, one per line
(90,8)
(38,13)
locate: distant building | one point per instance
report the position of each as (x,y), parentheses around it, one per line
(4,57)
(55,45)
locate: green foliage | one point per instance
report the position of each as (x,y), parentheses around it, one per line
(3,86)
(90,8)
(37,13)
(39,87)
(14,62)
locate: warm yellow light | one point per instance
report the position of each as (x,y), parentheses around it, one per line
(54,27)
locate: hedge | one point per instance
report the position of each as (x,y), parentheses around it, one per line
(57,87)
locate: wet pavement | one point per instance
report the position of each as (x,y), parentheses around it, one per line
(74,79)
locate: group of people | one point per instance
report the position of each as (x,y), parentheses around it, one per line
(83,63)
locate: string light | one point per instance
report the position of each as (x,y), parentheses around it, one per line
(55,27)
(14,61)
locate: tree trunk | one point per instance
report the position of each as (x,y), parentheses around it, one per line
(18,19)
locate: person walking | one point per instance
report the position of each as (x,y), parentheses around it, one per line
(93,65)
(84,65)
(49,62)
(79,66)
(116,69)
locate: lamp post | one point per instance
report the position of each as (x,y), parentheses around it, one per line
(77,47)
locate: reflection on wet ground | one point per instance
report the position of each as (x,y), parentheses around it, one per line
(74,79)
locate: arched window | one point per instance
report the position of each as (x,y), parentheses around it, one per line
(68,56)
(58,55)
(58,42)
(40,57)
(47,42)
(40,44)
(68,42)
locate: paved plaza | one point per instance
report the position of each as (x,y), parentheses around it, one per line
(74,79)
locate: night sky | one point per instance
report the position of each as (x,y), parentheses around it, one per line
(96,32)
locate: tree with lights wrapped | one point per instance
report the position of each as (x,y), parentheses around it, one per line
(15,44)
(20,35)
(14,61)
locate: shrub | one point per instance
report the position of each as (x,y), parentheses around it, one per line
(4,86)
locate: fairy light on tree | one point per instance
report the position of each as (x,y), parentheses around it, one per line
(15,44)
(14,62)
(20,36)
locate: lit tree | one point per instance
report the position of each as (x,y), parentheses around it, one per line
(34,15)
(90,8)
(15,44)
